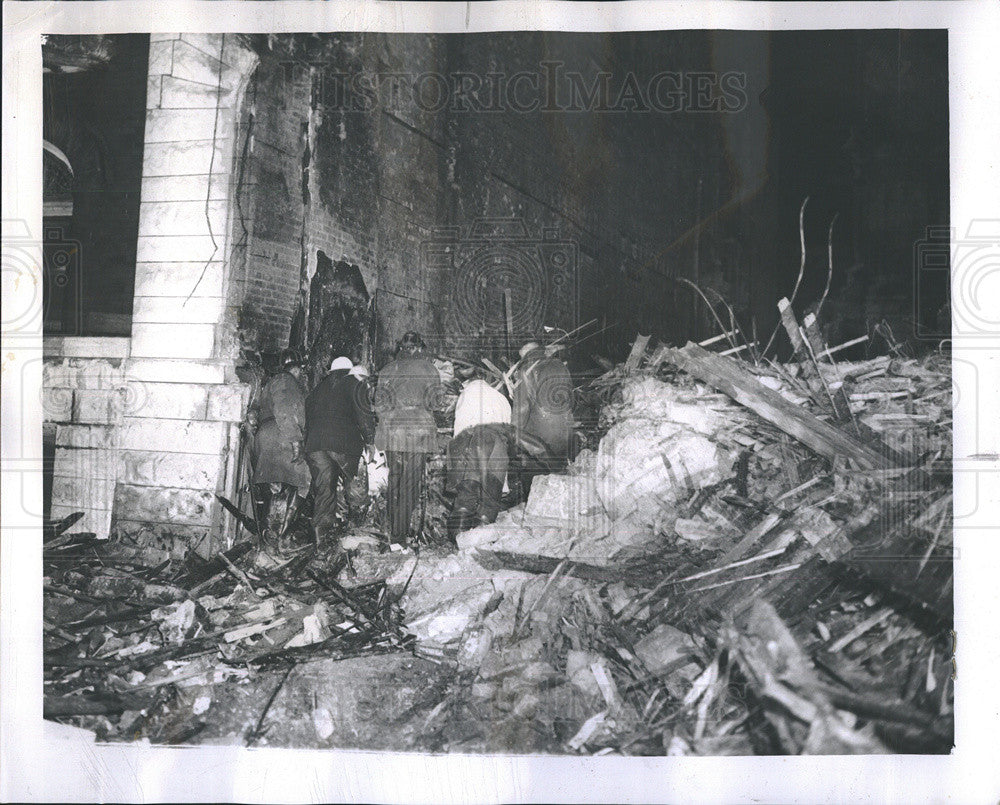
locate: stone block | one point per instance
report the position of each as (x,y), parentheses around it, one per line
(665,648)
(183,217)
(228,403)
(164,504)
(154,86)
(564,500)
(176,93)
(72,463)
(186,188)
(185,158)
(170,341)
(180,248)
(57,404)
(82,373)
(161,57)
(97,521)
(98,407)
(177,309)
(174,436)
(102,437)
(200,63)
(209,44)
(159,370)
(180,279)
(171,125)
(91,346)
(85,493)
(174,538)
(181,470)
(166,400)
(163,37)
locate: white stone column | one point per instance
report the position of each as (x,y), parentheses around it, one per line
(176,436)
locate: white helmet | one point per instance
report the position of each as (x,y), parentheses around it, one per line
(359,371)
(341,363)
(531,346)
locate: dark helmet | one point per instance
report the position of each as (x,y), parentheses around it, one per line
(291,358)
(411,342)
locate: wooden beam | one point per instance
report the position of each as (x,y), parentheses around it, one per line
(727,376)
(638,350)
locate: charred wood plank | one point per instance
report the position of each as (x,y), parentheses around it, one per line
(533,563)
(727,376)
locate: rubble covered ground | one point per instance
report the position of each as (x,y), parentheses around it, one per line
(749,557)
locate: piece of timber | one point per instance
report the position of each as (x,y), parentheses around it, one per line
(727,376)
(534,563)
(638,350)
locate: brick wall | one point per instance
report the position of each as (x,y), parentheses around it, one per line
(383,184)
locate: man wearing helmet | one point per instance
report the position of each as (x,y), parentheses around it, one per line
(279,417)
(339,428)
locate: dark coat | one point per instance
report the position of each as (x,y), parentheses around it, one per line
(281,415)
(542,404)
(408,392)
(339,415)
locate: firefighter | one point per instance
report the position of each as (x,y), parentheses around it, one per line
(408,390)
(542,412)
(478,454)
(278,415)
(339,429)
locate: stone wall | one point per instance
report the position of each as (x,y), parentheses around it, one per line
(150,434)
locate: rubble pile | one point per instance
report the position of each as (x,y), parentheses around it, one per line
(752,557)
(756,558)
(134,646)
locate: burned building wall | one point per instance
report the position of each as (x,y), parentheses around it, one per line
(392,153)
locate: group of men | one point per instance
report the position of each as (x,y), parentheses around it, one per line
(317,439)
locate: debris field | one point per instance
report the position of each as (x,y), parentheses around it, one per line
(749,557)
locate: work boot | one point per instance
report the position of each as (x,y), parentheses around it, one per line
(460,519)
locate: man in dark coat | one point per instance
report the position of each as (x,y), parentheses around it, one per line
(339,428)
(407,394)
(542,412)
(278,413)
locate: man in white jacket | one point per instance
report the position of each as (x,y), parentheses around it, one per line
(478,455)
